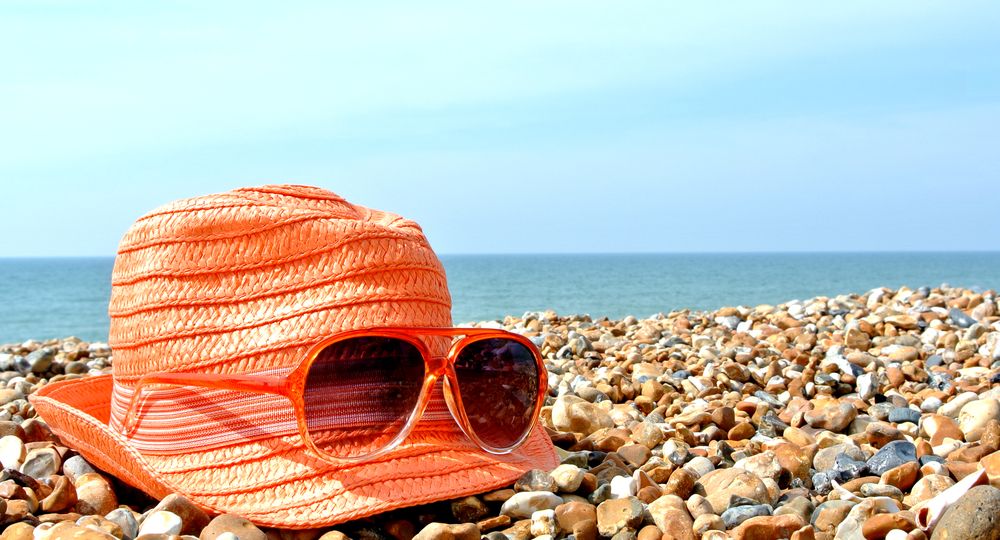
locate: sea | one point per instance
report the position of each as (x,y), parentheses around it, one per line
(43,298)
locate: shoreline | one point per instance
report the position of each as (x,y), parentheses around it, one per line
(807,418)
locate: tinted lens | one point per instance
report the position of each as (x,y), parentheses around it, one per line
(360,392)
(498,380)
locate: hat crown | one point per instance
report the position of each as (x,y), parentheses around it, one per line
(246,281)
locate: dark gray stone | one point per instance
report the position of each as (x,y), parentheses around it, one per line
(904,414)
(891,456)
(738,514)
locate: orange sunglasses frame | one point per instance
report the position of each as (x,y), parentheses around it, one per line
(292,385)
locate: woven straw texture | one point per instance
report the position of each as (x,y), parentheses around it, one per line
(244,282)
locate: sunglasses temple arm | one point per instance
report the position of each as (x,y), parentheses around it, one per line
(260,384)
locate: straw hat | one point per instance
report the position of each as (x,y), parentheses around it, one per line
(244,282)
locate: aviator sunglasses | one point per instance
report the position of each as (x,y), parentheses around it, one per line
(358,394)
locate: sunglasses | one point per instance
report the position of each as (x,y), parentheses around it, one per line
(359,394)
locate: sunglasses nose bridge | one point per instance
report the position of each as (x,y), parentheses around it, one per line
(437,366)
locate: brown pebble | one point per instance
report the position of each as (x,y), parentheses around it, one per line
(570,513)
(649,532)
(585,530)
(498,496)
(11,428)
(443,531)
(489,524)
(681,483)
(18,531)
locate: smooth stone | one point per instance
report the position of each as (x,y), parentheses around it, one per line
(953,407)
(543,522)
(41,462)
(567,477)
(570,513)
(125,519)
(975,516)
(62,497)
(76,467)
(828,515)
(161,522)
(101,524)
(623,486)
(926,488)
(535,480)
(615,515)
(768,527)
(826,457)
(67,530)
(705,523)
(12,451)
(94,495)
(522,505)
(670,516)
(738,514)
(194,518)
(904,414)
(232,524)
(975,415)
(832,417)
(570,413)
(879,525)
(444,531)
(720,485)
(18,531)
(892,455)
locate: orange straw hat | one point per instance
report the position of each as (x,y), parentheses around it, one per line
(245,282)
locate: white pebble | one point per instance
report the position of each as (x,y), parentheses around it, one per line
(161,522)
(622,486)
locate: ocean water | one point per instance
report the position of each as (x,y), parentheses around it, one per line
(44,298)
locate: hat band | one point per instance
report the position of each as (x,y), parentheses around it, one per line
(175,420)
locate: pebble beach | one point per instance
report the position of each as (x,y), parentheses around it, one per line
(859,416)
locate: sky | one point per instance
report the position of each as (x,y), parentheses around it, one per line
(514,127)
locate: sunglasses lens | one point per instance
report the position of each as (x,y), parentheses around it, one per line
(498,380)
(359,394)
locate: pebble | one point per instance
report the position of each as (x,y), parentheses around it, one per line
(975,516)
(444,531)
(543,522)
(738,514)
(617,514)
(522,505)
(768,527)
(94,494)
(126,520)
(161,522)
(231,524)
(975,415)
(892,455)
(719,486)
(676,522)
(535,480)
(12,451)
(41,462)
(567,477)
(76,466)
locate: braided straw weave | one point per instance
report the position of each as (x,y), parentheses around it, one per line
(244,282)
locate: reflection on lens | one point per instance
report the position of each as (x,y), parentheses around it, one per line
(360,392)
(498,380)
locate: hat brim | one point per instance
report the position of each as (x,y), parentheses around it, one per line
(277,482)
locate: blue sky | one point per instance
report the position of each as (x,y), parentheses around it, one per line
(514,126)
